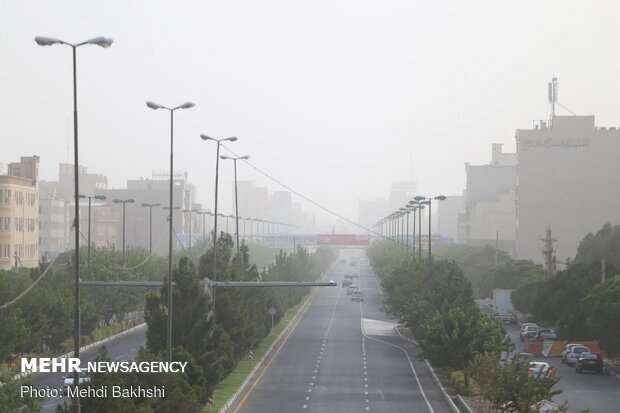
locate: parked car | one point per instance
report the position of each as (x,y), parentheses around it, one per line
(546,334)
(528,332)
(567,349)
(351,288)
(524,356)
(539,369)
(527,324)
(357,295)
(573,356)
(347,282)
(589,361)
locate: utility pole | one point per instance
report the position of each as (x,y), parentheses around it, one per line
(548,253)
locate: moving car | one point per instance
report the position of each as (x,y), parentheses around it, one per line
(573,356)
(347,282)
(539,369)
(351,288)
(357,295)
(589,362)
(68,379)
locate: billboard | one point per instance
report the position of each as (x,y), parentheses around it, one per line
(342,239)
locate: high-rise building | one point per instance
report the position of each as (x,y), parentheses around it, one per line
(448,212)
(19,214)
(568,174)
(489,217)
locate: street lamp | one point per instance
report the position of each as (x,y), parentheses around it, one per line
(217,166)
(150,206)
(89,205)
(103,42)
(235,159)
(438,198)
(124,202)
(156,106)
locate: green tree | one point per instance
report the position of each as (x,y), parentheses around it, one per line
(455,338)
(604,244)
(603,305)
(11,399)
(513,389)
(509,275)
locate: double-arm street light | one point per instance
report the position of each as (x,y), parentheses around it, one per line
(217,167)
(156,106)
(103,42)
(98,197)
(235,159)
(124,202)
(428,201)
(150,206)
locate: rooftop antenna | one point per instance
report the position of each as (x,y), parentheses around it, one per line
(552,94)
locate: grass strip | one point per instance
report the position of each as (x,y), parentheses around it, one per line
(227,387)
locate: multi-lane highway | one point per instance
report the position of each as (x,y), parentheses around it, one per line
(344,356)
(122,348)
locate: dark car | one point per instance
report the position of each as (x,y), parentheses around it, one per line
(589,362)
(546,334)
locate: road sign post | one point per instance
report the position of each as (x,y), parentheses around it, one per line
(271,312)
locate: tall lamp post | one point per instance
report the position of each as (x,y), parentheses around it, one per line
(124,202)
(235,159)
(103,42)
(217,167)
(150,206)
(429,201)
(156,106)
(99,197)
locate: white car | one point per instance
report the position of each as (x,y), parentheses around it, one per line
(573,355)
(357,295)
(567,350)
(68,379)
(539,369)
(351,288)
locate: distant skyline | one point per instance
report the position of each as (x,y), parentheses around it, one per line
(332,98)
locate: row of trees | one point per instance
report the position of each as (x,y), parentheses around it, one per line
(42,319)
(576,300)
(212,343)
(436,301)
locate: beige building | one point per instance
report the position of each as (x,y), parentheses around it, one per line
(489,216)
(19,214)
(568,179)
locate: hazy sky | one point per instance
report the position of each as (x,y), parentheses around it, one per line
(332,97)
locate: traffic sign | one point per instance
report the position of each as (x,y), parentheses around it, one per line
(272,311)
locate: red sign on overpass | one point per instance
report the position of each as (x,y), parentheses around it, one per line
(342,239)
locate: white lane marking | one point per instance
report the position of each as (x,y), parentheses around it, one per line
(415,374)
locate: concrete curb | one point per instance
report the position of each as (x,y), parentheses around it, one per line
(445,394)
(88,347)
(231,401)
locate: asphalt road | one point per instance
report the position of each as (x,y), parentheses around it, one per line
(344,356)
(122,348)
(599,393)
